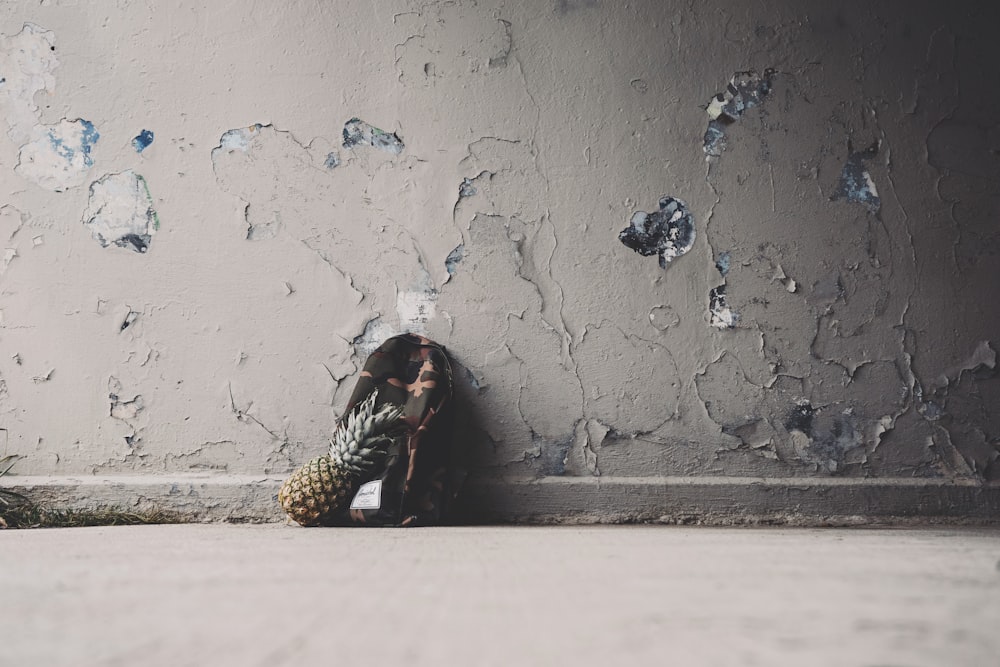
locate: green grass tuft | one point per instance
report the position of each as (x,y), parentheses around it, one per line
(30,515)
(18,511)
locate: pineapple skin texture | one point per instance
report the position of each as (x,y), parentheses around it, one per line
(314,491)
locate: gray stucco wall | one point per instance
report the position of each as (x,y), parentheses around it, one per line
(817,297)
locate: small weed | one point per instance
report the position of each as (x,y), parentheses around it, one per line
(18,511)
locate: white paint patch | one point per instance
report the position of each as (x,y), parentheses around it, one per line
(723,318)
(870,183)
(59,158)
(240,138)
(415,309)
(26,63)
(120,211)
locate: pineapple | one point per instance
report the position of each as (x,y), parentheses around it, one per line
(323,484)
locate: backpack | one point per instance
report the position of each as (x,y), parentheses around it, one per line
(414,485)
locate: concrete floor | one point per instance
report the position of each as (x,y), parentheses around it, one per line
(278,595)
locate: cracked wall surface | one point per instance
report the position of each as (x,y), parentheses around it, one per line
(820,184)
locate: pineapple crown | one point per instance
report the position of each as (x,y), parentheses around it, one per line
(363,436)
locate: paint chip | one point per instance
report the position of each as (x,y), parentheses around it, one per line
(239,139)
(120,211)
(668,232)
(142,141)
(721,315)
(744,91)
(8,256)
(781,277)
(129,319)
(332,160)
(663,317)
(38,379)
(60,158)
(454,257)
(722,263)
(357,132)
(466,188)
(124,410)
(856,183)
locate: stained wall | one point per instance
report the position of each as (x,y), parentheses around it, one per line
(658,238)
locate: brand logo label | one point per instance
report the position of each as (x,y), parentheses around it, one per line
(368,497)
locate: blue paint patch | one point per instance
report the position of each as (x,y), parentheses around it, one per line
(744,91)
(359,133)
(714,141)
(68,151)
(466,188)
(332,160)
(668,232)
(722,263)
(453,258)
(552,454)
(856,183)
(142,141)
(472,379)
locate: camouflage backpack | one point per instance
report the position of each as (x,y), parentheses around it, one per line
(414,485)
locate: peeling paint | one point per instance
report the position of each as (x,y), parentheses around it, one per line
(856,183)
(239,139)
(663,318)
(120,212)
(722,263)
(9,254)
(454,257)
(745,91)
(123,409)
(800,417)
(130,317)
(780,277)
(60,158)
(359,133)
(721,316)
(714,141)
(44,377)
(491,231)
(376,332)
(668,232)
(466,188)
(955,401)
(142,141)
(27,61)
(471,378)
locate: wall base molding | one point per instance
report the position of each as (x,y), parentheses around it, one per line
(574,500)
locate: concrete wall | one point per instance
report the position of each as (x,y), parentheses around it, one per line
(212,212)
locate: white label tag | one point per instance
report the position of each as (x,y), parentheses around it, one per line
(368,497)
